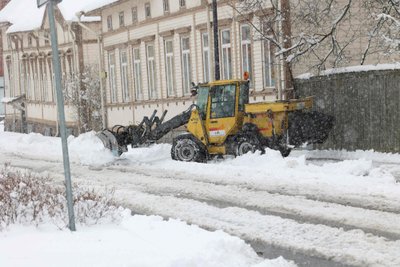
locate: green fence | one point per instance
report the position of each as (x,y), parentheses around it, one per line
(366,107)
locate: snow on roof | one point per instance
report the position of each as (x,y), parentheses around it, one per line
(25,16)
(97,4)
(69,8)
(361,68)
(22,14)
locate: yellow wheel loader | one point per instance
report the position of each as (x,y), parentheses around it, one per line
(224,122)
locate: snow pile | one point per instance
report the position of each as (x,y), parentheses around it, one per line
(256,168)
(88,149)
(85,149)
(344,168)
(361,68)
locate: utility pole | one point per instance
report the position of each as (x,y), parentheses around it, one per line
(50,4)
(216,43)
(101,72)
(281,70)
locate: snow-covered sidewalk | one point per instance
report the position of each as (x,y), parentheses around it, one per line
(136,241)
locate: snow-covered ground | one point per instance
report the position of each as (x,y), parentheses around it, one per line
(133,241)
(337,205)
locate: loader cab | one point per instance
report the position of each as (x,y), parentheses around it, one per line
(221,106)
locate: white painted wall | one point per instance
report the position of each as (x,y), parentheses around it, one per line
(1,96)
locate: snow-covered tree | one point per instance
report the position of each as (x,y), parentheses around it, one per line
(383,27)
(301,28)
(82,91)
(316,35)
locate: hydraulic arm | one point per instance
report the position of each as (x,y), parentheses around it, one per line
(148,131)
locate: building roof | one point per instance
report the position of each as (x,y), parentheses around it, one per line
(24,15)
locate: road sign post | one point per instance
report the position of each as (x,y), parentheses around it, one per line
(43,2)
(60,107)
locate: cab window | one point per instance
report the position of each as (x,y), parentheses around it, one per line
(223,101)
(202,98)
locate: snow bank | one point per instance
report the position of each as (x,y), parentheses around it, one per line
(345,167)
(361,68)
(86,149)
(136,241)
(352,167)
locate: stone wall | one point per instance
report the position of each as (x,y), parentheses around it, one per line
(366,107)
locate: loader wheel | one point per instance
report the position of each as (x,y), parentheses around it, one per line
(244,147)
(184,148)
(247,144)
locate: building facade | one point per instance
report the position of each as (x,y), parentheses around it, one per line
(29,73)
(2,110)
(155,49)
(148,53)
(3,3)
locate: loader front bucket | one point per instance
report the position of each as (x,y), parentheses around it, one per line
(110,141)
(309,127)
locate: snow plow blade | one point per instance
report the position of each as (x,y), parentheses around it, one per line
(110,142)
(309,127)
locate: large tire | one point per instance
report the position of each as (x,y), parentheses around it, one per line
(185,148)
(247,143)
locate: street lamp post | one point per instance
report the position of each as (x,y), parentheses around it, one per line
(216,44)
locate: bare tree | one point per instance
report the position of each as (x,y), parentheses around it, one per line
(317,35)
(300,30)
(383,28)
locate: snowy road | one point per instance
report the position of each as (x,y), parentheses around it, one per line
(342,211)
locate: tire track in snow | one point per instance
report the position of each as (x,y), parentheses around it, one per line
(347,247)
(230,222)
(287,206)
(297,208)
(329,195)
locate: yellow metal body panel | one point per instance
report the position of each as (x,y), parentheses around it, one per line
(280,106)
(196,127)
(271,118)
(219,129)
(269,125)
(216,150)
